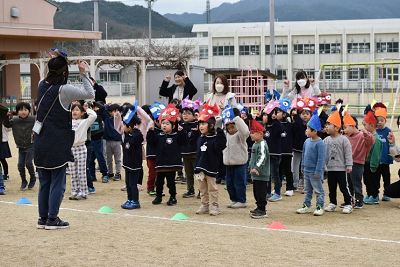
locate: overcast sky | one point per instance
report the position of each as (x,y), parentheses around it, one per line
(174,6)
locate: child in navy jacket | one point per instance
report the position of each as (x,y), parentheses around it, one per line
(209,151)
(154,112)
(300,127)
(168,152)
(285,167)
(273,132)
(191,126)
(132,157)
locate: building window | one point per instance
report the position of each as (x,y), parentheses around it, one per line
(329,48)
(304,49)
(309,49)
(223,50)
(387,74)
(112,77)
(358,74)
(203,52)
(298,49)
(333,75)
(309,73)
(281,49)
(246,50)
(389,47)
(358,48)
(281,74)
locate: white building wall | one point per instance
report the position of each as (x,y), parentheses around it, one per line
(341,34)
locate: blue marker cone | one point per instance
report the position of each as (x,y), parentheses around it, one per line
(24,201)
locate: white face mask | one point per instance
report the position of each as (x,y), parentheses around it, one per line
(302,82)
(219,87)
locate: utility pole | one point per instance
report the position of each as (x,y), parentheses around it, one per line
(272,36)
(149,7)
(208,12)
(96,25)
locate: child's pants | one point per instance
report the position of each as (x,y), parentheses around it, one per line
(236,183)
(113,148)
(259,192)
(189,164)
(371,181)
(296,168)
(393,190)
(275,161)
(208,189)
(88,175)
(5,166)
(151,179)
(286,168)
(131,180)
(25,158)
(98,154)
(356,181)
(170,176)
(1,178)
(335,178)
(312,183)
(384,170)
(78,171)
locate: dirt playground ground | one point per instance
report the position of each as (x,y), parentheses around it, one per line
(148,237)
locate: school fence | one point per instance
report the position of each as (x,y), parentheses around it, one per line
(112,89)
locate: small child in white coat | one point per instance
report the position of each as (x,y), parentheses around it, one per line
(79,189)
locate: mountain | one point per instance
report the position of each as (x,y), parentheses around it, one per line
(289,10)
(122,21)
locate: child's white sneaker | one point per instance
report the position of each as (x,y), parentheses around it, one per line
(203,209)
(231,204)
(348,209)
(331,207)
(239,205)
(304,209)
(289,193)
(318,211)
(214,210)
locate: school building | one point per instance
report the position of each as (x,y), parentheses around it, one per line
(301,45)
(26,31)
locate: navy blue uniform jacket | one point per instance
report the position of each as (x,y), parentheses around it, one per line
(209,152)
(168,149)
(132,150)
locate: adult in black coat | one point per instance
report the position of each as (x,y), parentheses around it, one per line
(99,93)
(182,88)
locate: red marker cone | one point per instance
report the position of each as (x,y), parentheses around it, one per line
(276,226)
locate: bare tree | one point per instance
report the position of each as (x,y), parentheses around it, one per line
(165,53)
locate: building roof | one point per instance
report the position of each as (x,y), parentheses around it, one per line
(54,4)
(54,34)
(332,24)
(238,72)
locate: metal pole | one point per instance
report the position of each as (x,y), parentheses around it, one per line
(120,92)
(272,35)
(96,25)
(106,32)
(362,93)
(149,7)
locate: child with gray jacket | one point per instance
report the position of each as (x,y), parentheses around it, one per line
(235,157)
(339,161)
